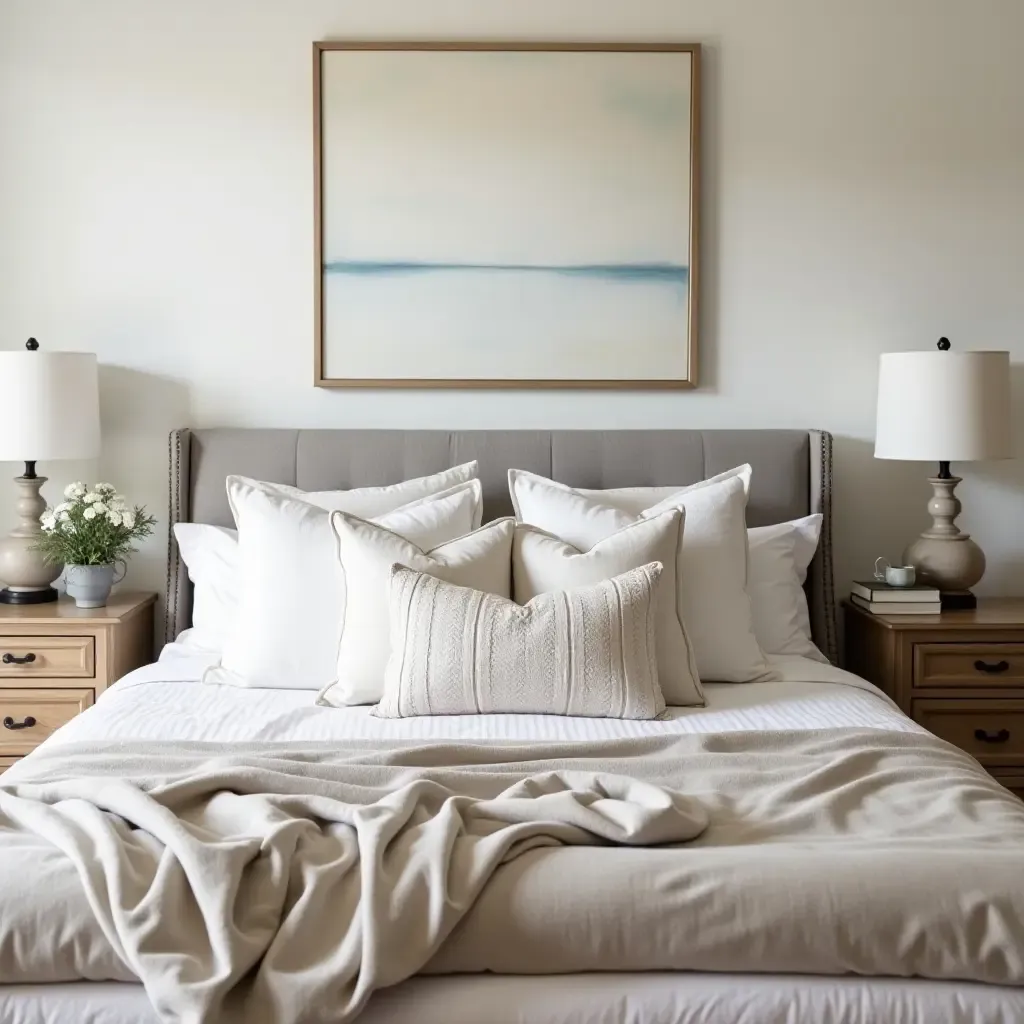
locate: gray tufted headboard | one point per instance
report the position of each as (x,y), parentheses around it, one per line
(792,476)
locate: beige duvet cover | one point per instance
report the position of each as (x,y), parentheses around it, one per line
(285,883)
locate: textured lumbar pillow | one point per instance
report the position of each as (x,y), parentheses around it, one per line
(588,651)
(481,559)
(542,563)
(291,588)
(711,572)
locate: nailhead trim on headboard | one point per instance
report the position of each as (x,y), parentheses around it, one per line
(172,608)
(827,569)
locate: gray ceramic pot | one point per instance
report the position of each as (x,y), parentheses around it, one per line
(90,585)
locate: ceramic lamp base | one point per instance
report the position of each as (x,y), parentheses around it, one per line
(949,563)
(34,595)
(943,556)
(22,566)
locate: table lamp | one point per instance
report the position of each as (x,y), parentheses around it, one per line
(52,412)
(944,407)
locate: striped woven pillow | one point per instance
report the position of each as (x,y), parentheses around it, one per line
(589,651)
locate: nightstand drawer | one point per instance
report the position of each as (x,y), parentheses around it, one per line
(991,730)
(6,762)
(989,666)
(54,657)
(27,717)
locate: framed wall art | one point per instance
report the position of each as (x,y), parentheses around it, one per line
(506,215)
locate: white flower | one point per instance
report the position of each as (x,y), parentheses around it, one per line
(105,489)
(48,521)
(128,520)
(62,507)
(90,513)
(91,497)
(113,517)
(98,506)
(65,516)
(117,501)
(75,490)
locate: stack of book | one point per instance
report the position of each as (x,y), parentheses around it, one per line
(882,599)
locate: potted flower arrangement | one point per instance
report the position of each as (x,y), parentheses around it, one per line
(91,531)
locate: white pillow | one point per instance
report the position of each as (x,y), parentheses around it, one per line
(481,560)
(636,500)
(210,553)
(373,502)
(542,563)
(711,572)
(291,587)
(587,651)
(779,557)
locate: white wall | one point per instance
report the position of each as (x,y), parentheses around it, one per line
(864,191)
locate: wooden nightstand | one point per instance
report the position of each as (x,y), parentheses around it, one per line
(959,674)
(55,660)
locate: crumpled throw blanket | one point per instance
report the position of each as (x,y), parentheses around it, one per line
(283,883)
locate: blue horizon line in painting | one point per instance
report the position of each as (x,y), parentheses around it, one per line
(675,273)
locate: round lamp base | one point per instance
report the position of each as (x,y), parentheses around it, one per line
(949,563)
(42,595)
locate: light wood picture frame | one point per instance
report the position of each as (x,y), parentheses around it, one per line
(506,215)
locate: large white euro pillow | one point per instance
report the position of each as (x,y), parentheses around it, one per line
(210,553)
(711,571)
(292,589)
(373,502)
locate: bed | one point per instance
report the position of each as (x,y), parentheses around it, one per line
(792,477)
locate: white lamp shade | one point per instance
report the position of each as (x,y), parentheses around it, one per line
(943,406)
(51,406)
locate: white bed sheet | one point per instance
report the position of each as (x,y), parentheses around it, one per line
(166,700)
(588,999)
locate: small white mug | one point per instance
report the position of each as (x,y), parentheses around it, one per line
(895,575)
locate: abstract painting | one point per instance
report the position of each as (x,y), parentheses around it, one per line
(495,215)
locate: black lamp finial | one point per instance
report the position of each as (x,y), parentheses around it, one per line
(31,344)
(943,344)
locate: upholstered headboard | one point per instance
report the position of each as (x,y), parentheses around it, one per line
(792,476)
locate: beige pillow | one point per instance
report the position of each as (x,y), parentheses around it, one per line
(480,559)
(542,562)
(588,651)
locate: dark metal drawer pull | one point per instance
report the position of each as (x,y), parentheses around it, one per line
(13,659)
(10,723)
(992,669)
(992,737)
